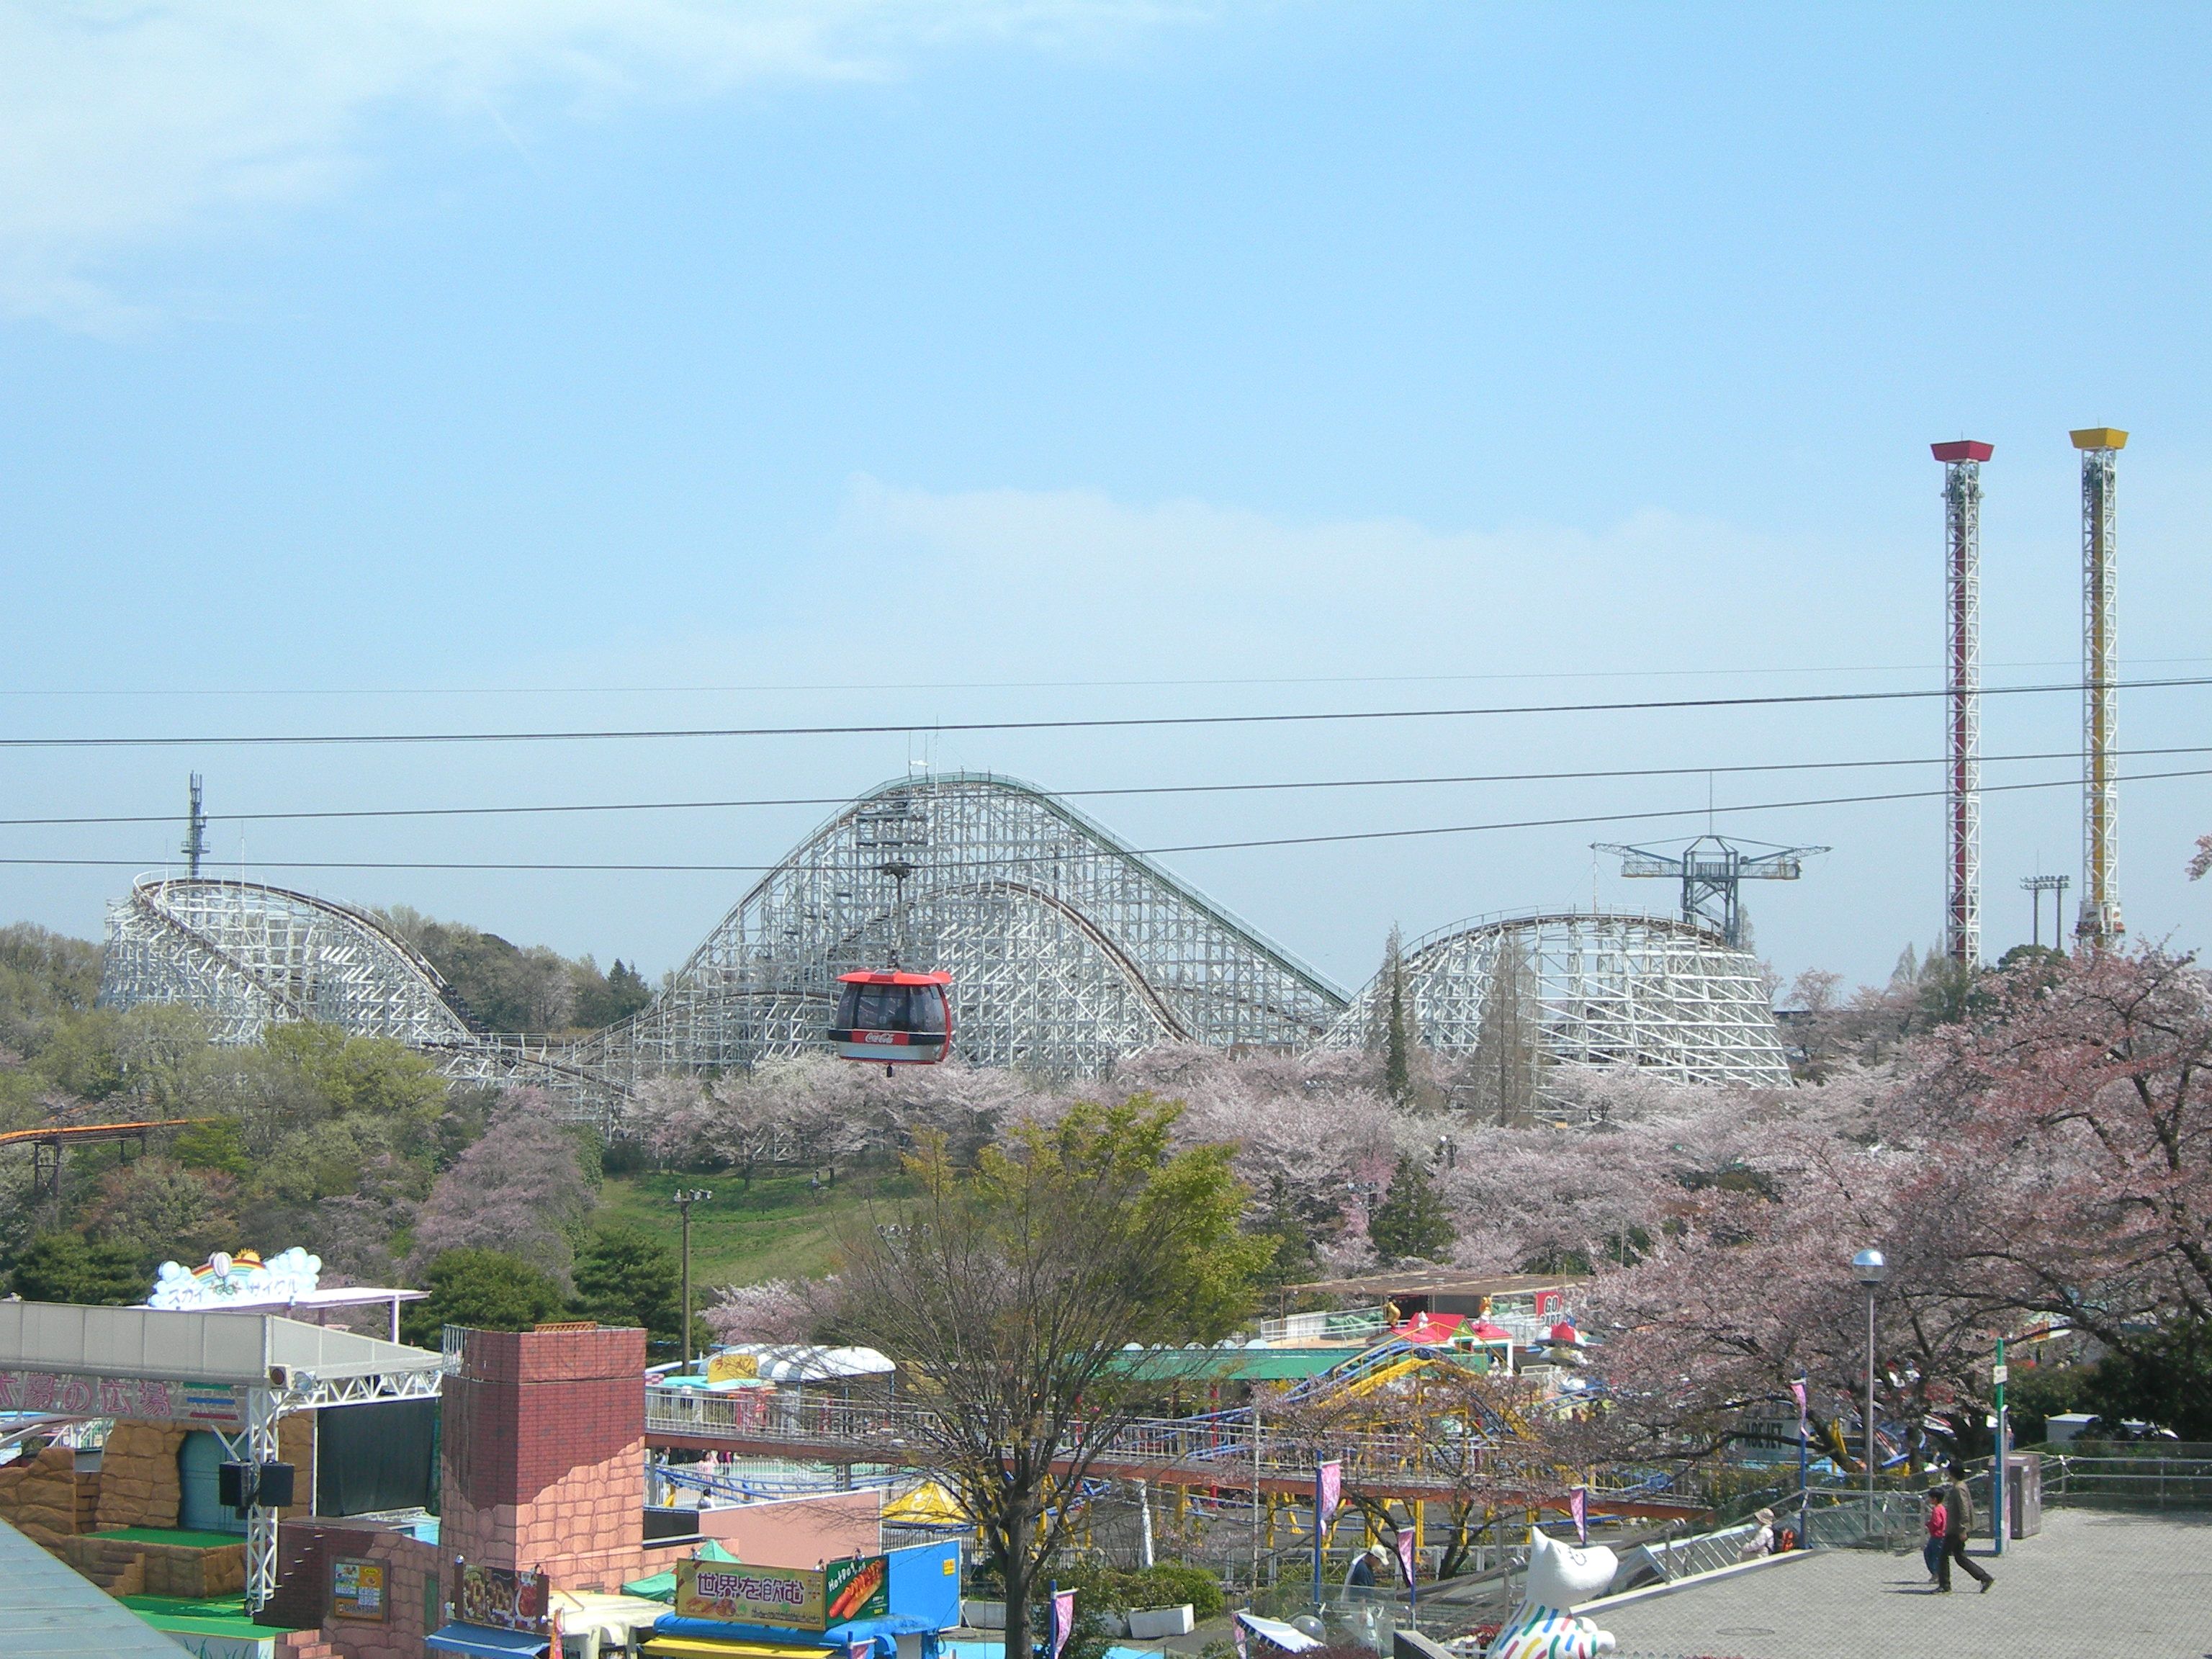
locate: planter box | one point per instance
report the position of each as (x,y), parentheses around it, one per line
(1150,1624)
(983,1615)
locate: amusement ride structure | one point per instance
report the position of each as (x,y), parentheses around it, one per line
(1067,949)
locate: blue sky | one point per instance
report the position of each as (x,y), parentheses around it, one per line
(425,367)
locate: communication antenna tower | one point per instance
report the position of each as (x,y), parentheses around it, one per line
(2100,925)
(1962,538)
(195,847)
(1709,869)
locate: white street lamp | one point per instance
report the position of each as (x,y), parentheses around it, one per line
(1870,1268)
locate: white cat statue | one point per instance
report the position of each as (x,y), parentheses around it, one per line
(1559,1576)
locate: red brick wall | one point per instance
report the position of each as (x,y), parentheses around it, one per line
(545,1453)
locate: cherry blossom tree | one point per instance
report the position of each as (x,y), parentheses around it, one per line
(520,1189)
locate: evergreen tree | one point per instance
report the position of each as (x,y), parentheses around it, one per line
(1397,1046)
(625,1276)
(63,1267)
(1411,1221)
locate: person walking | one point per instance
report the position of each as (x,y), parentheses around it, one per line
(1959,1523)
(1939,1518)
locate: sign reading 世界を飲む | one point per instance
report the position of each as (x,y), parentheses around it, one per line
(859,1587)
(789,1598)
(357,1590)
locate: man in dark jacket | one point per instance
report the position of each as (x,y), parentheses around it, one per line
(1960,1505)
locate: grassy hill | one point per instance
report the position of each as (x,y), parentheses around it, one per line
(779,1230)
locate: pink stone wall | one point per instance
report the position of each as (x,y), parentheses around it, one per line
(799,1532)
(545,1454)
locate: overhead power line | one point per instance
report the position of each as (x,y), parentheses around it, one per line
(1116,722)
(1131,790)
(170,693)
(1188,847)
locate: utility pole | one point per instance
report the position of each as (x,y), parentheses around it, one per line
(684,1198)
(1999,1372)
(195,847)
(1962,535)
(2100,927)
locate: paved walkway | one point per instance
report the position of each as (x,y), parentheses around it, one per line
(2094,1585)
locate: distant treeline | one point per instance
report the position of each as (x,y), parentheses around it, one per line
(509,987)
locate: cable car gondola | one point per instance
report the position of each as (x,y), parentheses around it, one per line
(891,1018)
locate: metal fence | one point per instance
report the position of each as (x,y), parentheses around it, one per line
(2123,1482)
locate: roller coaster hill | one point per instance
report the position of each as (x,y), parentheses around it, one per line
(1068,950)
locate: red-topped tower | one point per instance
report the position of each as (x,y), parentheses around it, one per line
(1962,536)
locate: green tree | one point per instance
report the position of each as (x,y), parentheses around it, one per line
(63,1267)
(218,1145)
(1411,1221)
(484,1289)
(1397,1041)
(1009,1290)
(2165,1380)
(625,1276)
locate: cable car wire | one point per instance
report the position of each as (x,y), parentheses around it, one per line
(1131,790)
(1707,812)
(1089,724)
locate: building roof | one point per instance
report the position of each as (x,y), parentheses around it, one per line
(219,1350)
(1439,1281)
(50,1612)
(1236,1364)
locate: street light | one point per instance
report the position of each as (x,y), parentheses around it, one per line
(1871,1267)
(684,1198)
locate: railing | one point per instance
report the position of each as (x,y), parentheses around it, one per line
(1223,1448)
(2128,1482)
(1358,1323)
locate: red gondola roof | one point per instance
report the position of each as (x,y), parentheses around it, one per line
(894,977)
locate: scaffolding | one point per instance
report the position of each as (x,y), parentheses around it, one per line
(2100,925)
(1962,538)
(1069,949)
(1603,989)
(248,956)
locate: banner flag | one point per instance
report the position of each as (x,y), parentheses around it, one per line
(1328,1487)
(1063,1619)
(1578,1506)
(1406,1553)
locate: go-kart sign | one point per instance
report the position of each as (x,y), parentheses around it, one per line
(789,1598)
(140,1399)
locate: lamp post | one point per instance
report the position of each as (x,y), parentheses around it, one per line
(1871,1267)
(684,1198)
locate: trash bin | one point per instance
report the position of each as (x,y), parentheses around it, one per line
(2024,1493)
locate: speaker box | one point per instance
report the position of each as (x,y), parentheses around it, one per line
(234,1485)
(276,1486)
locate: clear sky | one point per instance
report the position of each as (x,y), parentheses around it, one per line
(587,363)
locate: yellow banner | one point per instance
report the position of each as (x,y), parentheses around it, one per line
(789,1598)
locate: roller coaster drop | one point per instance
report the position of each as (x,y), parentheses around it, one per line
(1067,949)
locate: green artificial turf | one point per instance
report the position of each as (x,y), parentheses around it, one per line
(779,1229)
(222,1617)
(192,1540)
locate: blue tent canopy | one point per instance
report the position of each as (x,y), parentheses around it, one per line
(486,1643)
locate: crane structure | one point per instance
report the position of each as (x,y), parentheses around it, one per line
(1710,868)
(1962,537)
(2100,925)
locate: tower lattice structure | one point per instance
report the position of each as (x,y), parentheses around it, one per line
(1962,538)
(2100,925)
